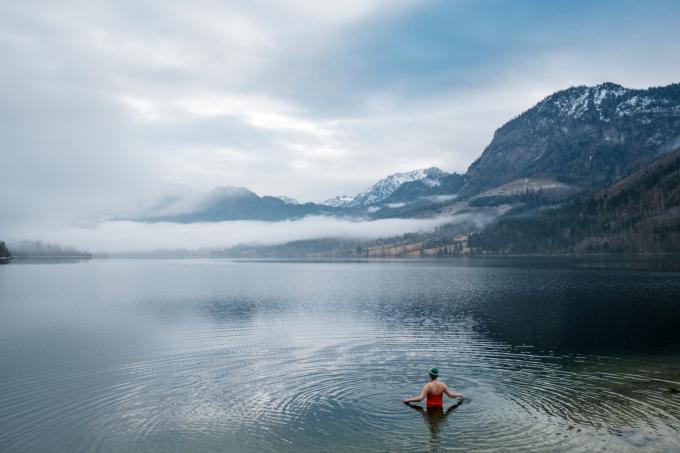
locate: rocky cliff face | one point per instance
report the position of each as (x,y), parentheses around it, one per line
(583,136)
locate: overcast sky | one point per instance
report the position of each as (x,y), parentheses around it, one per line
(104,104)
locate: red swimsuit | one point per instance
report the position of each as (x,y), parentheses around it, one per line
(434,400)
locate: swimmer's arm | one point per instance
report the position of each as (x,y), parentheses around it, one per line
(450,393)
(420,397)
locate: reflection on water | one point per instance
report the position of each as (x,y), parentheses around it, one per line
(434,418)
(221,356)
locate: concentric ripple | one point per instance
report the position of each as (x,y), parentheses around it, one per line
(221,356)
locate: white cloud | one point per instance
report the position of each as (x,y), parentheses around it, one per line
(121,236)
(105,103)
(258,111)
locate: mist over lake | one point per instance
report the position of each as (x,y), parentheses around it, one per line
(297,225)
(213,355)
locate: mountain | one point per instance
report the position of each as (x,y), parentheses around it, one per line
(401,188)
(574,141)
(385,188)
(584,137)
(638,214)
(444,185)
(233,203)
(336,202)
(426,186)
(287,200)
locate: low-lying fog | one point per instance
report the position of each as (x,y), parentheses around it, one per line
(128,236)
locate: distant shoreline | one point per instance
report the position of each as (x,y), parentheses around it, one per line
(385,258)
(50,257)
(607,256)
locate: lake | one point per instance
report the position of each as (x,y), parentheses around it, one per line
(211,355)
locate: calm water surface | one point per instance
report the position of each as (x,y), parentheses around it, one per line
(176,356)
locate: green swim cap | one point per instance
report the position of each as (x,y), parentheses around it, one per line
(434,372)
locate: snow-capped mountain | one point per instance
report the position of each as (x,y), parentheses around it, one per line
(287,200)
(339,201)
(581,138)
(383,189)
(584,136)
(609,101)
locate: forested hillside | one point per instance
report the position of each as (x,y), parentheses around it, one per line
(40,249)
(639,214)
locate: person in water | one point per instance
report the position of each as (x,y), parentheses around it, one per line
(433,391)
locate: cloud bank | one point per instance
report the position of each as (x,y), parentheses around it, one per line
(126,236)
(105,105)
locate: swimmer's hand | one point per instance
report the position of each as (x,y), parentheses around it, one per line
(418,398)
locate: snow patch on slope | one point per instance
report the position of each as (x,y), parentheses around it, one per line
(382,190)
(287,200)
(604,99)
(340,200)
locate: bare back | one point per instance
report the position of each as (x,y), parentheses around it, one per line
(433,392)
(435,388)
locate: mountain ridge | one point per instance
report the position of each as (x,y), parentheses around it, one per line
(586,136)
(579,139)
(234,203)
(385,188)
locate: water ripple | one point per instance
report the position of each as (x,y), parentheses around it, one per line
(218,372)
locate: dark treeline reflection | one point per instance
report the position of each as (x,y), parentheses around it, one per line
(582,312)
(567,306)
(562,305)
